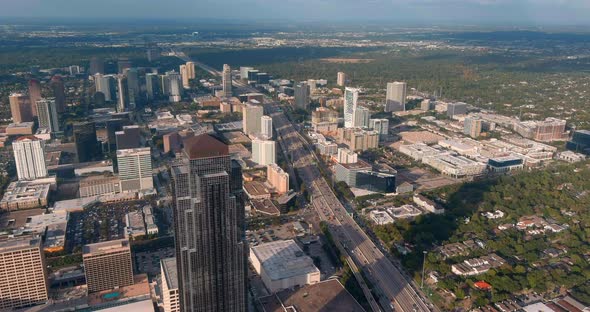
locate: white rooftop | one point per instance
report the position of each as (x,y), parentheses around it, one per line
(283,259)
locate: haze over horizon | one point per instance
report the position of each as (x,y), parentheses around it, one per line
(485,12)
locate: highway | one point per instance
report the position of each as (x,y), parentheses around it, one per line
(396,293)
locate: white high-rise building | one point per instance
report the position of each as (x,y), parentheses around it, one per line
(341,80)
(47,112)
(135,169)
(266,127)
(244,71)
(395,99)
(106,85)
(263,151)
(226,80)
(252,115)
(29,156)
(351,96)
(381,126)
(361,117)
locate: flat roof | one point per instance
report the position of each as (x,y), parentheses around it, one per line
(18,243)
(133,294)
(360,164)
(255,188)
(265,206)
(128,152)
(106,247)
(171,272)
(324,296)
(283,259)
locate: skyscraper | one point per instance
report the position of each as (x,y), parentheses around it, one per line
(48,115)
(395,99)
(59,93)
(351,96)
(23,281)
(266,127)
(133,87)
(185,78)
(123,64)
(209,228)
(122,94)
(252,115)
(341,79)
(34,94)
(29,157)
(152,86)
(173,84)
(263,151)
(302,96)
(361,117)
(226,79)
(96,66)
(190,70)
(106,84)
(128,137)
(108,265)
(86,143)
(135,169)
(20,108)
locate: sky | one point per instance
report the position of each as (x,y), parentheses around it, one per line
(426,12)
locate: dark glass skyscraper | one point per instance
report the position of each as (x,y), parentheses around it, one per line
(209,228)
(59,92)
(86,142)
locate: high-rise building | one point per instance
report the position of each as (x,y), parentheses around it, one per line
(29,156)
(59,93)
(133,87)
(86,143)
(251,116)
(152,52)
(185,77)
(278,178)
(34,94)
(135,169)
(226,80)
(395,99)
(266,127)
(123,64)
(381,126)
(174,86)
(122,94)
(108,265)
(20,108)
(244,72)
(23,281)
(152,86)
(128,137)
(47,112)
(96,66)
(190,69)
(312,83)
(350,99)
(341,80)
(361,117)
(211,252)
(472,126)
(458,108)
(170,295)
(302,96)
(106,84)
(263,151)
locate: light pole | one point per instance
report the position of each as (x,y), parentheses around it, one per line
(423,268)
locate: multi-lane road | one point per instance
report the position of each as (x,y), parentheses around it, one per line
(395,291)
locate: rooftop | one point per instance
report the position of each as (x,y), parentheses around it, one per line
(359,165)
(131,151)
(106,247)
(203,146)
(171,272)
(9,244)
(283,259)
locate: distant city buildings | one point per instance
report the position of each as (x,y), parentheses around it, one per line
(548,130)
(107,85)
(122,94)
(29,156)
(395,99)
(108,265)
(23,282)
(457,108)
(324,120)
(226,81)
(341,79)
(350,102)
(34,94)
(172,82)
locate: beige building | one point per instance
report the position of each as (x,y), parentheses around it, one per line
(25,195)
(357,139)
(341,79)
(324,120)
(23,279)
(108,265)
(252,114)
(23,128)
(278,178)
(170,297)
(99,185)
(20,108)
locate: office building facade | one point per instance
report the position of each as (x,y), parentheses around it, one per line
(47,113)
(169,274)
(361,117)
(458,108)
(395,99)
(29,157)
(34,94)
(107,85)
(252,115)
(580,142)
(86,142)
(108,265)
(302,92)
(263,151)
(135,169)
(266,127)
(152,86)
(381,126)
(20,108)
(211,252)
(122,94)
(23,278)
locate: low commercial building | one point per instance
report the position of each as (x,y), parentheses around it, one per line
(550,129)
(23,128)
(380,217)
(418,151)
(283,265)
(455,166)
(256,190)
(505,164)
(134,225)
(404,212)
(477,266)
(346,156)
(99,185)
(25,195)
(348,173)
(427,204)
(169,287)
(570,157)
(375,181)
(425,137)
(265,207)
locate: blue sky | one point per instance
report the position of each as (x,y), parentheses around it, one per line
(528,12)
